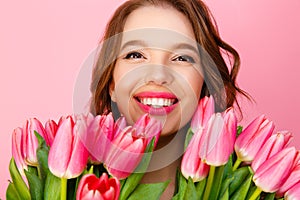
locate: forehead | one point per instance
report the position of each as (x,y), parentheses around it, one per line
(159,17)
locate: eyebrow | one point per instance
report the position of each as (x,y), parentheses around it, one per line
(134,43)
(143,43)
(187,46)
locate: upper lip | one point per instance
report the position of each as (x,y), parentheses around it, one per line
(165,95)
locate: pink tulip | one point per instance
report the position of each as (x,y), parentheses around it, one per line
(30,142)
(50,129)
(292,180)
(191,164)
(92,188)
(18,152)
(98,140)
(119,125)
(25,144)
(253,137)
(293,193)
(218,138)
(273,145)
(148,128)
(206,108)
(126,153)
(68,155)
(274,171)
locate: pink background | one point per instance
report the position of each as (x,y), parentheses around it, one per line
(43,44)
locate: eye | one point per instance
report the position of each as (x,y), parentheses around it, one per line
(134,55)
(184,58)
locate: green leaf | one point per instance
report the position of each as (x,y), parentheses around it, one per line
(225,195)
(188,138)
(42,156)
(35,185)
(176,197)
(200,187)
(239,130)
(132,181)
(52,187)
(12,193)
(19,183)
(251,190)
(225,186)
(32,170)
(228,168)
(151,191)
(190,192)
(241,192)
(239,176)
(40,139)
(269,196)
(214,193)
(181,185)
(214,181)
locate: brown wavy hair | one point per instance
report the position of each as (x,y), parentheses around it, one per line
(206,35)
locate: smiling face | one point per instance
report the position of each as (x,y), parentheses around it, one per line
(158,68)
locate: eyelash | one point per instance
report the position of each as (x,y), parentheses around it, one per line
(134,55)
(138,55)
(184,58)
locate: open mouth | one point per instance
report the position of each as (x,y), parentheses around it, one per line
(157,103)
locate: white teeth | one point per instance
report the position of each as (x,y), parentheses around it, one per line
(160,102)
(157,102)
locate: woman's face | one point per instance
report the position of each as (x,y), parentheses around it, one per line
(158,68)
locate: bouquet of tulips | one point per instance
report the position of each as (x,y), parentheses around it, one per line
(95,157)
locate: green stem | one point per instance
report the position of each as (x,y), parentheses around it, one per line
(255,194)
(63,194)
(236,164)
(209,182)
(39,172)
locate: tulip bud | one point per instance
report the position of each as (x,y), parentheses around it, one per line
(191,164)
(273,145)
(31,144)
(91,187)
(218,138)
(68,155)
(18,151)
(148,128)
(98,140)
(125,154)
(119,125)
(50,129)
(205,109)
(252,138)
(292,180)
(274,171)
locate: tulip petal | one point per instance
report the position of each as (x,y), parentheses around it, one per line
(293,193)
(272,146)
(17,150)
(271,174)
(253,137)
(191,164)
(50,131)
(91,187)
(61,150)
(204,111)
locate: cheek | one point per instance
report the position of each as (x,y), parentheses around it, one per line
(194,81)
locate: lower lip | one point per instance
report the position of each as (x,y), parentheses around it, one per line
(157,111)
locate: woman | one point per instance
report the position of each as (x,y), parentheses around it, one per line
(161,57)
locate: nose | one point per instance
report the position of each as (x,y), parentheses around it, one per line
(159,75)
